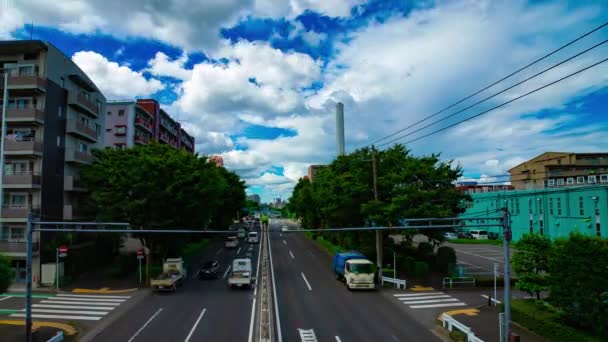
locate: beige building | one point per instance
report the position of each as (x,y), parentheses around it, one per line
(558,169)
(312,171)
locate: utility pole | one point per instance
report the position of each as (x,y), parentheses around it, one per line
(506,226)
(378,232)
(28,279)
(2,138)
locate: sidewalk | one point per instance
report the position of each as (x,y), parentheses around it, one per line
(485,325)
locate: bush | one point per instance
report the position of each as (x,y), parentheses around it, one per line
(425,251)
(458,336)
(421,269)
(194,247)
(445,257)
(6,273)
(123,265)
(546,321)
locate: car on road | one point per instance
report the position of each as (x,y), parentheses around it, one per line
(241,233)
(450,236)
(492,236)
(253,237)
(240,276)
(209,270)
(231,242)
(284,228)
(465,235)
(479,234)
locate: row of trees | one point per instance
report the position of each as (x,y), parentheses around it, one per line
(341,194)
(573,271)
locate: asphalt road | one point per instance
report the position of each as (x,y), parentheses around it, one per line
(310,298)
(205,310)
(479,259)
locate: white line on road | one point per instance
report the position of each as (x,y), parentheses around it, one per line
(306,281)
(238,250)
(5,298)
(285,243)
(226,273)
(111,300)
(418,294)
(291,255)
(479,256)
(257,268)
(145,325)
(274,293)
(92,296)
(78,318)
(437,305)
(79,303)
(425,297)
(195,324)
(338,339)
(429,301)
(252,320)
(494,300)
(73,307)
(77,312)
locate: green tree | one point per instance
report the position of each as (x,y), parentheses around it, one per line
(578,281)
(531,263)
(6,273)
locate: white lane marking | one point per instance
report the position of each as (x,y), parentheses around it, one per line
(226,273)
(425,297)
(429,301)
(145,325)
(274,293)
(5,298)
(494,300)
(77,318)
(291,255)
(238,250)
(75,312)
(92,296)
(79,303)
(257,268)
(73,307)
(195,325)
(306,281)
(110,300)
(285,243)
(480,256)
(307,335)
(252,320)
(437,305)
(418,294)
(338,339)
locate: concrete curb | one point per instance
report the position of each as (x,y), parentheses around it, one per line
(123,309)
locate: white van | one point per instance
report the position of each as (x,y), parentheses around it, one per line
(253,237)
(479,234)
(241,273)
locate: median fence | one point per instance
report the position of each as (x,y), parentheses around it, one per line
(451,281)
(450,323)
(399,283)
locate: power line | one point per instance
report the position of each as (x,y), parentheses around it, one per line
(495,83)
(498,93)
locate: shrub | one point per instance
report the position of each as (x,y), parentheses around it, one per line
(445,257)
(425,251)
(421,269)
(6,273)
(458,336)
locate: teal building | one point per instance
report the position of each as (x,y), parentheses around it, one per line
(552,212)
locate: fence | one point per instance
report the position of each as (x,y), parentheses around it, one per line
(450,323)
(451,281)
(398,282)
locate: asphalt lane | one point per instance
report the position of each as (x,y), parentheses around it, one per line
(205,310)
(326,307)
(479,259)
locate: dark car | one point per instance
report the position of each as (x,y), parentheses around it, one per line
(492,236)
(209,270)
(465,235)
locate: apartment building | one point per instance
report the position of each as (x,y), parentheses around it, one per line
(55,116)
(558,169)
(130,123)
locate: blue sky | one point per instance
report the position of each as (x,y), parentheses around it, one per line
(256,81)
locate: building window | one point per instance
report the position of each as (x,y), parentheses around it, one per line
(121,112)
(83,147)
(581,206)
(550,205)
(580,180)
(98,106)
(109,113)
(569,180)
(120,130)
(559,206)
(517,206)
(529,205)
(540,206)
(541,227)
(58,141)
(560,182)
(551,182)
(598,231)
(604,178)
(591,179)
(119,146)
(108,130)
(59,112)
(17,234)
(531,227)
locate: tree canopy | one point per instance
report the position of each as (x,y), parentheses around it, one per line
(531,263)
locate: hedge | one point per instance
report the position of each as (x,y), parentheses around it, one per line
(546,321)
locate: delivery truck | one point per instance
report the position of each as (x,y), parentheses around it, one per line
(174,274)
(355,270)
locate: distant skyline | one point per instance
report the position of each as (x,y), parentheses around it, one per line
(256,81)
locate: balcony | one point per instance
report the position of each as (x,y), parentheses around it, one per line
(81,103)
(26,83)
(141,140)
(11,211)
(21,180)
(30,114)
(72,212)
(78,128)
(144,124)
(14,248)
(75,156)
(22,146)
(73,183)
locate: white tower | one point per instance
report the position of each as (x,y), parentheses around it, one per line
(340,128)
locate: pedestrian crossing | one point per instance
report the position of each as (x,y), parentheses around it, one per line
(307,335)
(78,307)
(427,300)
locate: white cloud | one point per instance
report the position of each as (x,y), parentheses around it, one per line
(212,142)
(115,81)
(268,178)
(161,65)
(291,8)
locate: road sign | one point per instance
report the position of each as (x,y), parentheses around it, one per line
(140,254)
(62,251)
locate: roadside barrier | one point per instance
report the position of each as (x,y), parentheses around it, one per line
(450,323)
(399,283)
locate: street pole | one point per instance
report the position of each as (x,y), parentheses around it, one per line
(394,265)
(28,280)
(57,268)
(2,138)
(139,259)
(378,233)
(506,223)
(495,276)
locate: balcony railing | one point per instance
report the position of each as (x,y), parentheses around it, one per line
(16,246)
(82,130)
(144,124)
(73,183)
(25,178)
(19,211)
(25,82)
(139,139)
(76,156)
(28,114)
(80,102)
(25,146)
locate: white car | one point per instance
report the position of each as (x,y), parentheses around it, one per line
(241,233)
(479,234)
(450,236)
(253,237)
(241,273)
(231,242)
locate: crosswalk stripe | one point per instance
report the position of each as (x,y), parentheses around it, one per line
(432,301)
(49,301)
(78,318)
(437,305)
(113,300)
(417,294)
(92,296)
(76,312)
(424,297)
(109,308)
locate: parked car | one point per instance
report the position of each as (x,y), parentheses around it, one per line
(492,236)
(209,270)
(253,237)
(465,235)
(479,234)
(450,236)
(231,242)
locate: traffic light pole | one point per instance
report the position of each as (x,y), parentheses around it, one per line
(506,226)
(378,232)
(28,280)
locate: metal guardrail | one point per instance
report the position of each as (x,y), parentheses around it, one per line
(451,281)
(450,323)
(398,282)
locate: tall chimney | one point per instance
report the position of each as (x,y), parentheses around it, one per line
(340,128)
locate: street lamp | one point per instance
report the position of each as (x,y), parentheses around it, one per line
(2,138)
